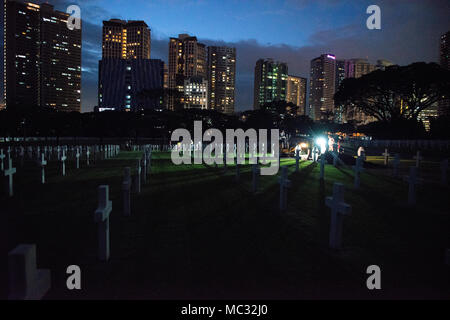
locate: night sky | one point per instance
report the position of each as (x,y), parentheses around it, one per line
(293,31)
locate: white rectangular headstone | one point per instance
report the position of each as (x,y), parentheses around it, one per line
(26,282)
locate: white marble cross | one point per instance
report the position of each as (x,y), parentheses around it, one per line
(101,217)
(338,210)
(43,163)
(386,157)
(315,153)
(26,282)
(144,174)
(22,155)
(284,184)
(256,171)
(77,155)
(444,168)
(2,157)
(396,164)
(335,157)
(358,168)
(138,176)
(9,173)
(412,180)
(63,161)
(322,167)
(126,188)
(418,158)
(88,153)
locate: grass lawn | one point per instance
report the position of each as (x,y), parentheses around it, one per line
(197,233)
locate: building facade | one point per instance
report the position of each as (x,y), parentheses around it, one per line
(444,60)
(270,83)
(42,57)
(322,87)
(128,79)
(221,78)
(195,93)
(130,84)
(126,39)
(296,93)
(187,58)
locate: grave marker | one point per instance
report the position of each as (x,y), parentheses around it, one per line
(137,182)
(2,157)
(418,158)
(9,173)
(126,188)
(284,184)
(26,282)
(386,157)
(63,161)
(339,209)
(43,163)
(358,168)
(101,217)
(77,155)
(322,167)
(412,180)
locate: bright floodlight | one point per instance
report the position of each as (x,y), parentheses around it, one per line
(321,142)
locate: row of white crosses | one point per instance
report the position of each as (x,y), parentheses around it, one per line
(26,282)
(42,162)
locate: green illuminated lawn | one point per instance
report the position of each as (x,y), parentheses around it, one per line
(196,233)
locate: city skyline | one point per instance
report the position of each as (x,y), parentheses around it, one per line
(340,30)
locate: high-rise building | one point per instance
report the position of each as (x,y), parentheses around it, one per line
(444,104)
(42,57)
(322,87)
(221,78)
(296,93)
(187,58)
(356,68)
(126,39)
(128,79)
(270,82)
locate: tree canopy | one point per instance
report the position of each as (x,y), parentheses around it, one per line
(396,93)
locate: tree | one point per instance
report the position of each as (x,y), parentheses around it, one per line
(396,93)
